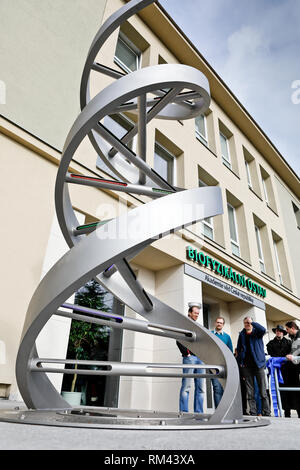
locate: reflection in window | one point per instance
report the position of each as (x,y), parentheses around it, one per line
(119,125)
(127,55)
(94,342)
(297,214)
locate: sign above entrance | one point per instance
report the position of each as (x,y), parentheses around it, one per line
(224,286)
(224,271)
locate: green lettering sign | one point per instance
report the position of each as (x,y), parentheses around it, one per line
(225,271)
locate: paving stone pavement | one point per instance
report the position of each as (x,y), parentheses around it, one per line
(281,434)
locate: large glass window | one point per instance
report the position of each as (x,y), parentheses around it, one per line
(164,163)
(259,249)
(225,150)
(235,246)
(201,129)
(89,341)
(127,55)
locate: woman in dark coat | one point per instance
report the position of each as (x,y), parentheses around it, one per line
(279,346)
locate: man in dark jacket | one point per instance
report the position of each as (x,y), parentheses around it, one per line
(251,359)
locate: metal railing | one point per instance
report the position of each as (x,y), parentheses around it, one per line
(296,360)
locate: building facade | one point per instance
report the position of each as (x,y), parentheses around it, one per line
(243,262)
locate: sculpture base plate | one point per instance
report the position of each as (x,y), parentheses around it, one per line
(115,418)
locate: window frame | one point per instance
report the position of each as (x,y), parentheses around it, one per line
(133,48)
(199,136)
(265,189)
(234,242)
(249,180)
(296,211)
(208,222)
(170,158)
(260,249)
(226,162)
(277,262)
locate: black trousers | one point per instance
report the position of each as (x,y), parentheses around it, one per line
(248,373)
(290,374)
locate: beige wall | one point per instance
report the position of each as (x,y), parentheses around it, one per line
(27,209)
(44,45)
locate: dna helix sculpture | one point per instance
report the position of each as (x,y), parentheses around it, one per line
(174,92)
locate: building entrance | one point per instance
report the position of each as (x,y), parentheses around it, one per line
(88,341)
(206,311)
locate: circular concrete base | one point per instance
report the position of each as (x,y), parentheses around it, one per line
(115,418)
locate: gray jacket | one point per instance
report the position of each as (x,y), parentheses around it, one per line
(295,350)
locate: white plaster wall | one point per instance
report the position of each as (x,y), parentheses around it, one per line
(136,392)
(175,289)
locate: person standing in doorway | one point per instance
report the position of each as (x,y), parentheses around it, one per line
(218,331)
(188,357)
(251,359)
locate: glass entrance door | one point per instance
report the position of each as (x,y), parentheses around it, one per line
(88,341)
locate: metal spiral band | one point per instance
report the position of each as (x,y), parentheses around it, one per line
(93,254)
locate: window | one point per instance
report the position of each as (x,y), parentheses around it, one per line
(277,261)
(251,173)
(119,125)
(260,251)
(127,55)
(248,174)
(281,266)
(201,129)
(207,224)
(297,214)
(225,150)
(228,149)
(265,190)
(100,342)
(164,163)
(268,190)
(235,246)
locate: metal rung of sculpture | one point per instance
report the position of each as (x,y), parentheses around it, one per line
(175,92)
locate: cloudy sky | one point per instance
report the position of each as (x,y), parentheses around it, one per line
(254,45)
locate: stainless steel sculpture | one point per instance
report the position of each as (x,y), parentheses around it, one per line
(93,254)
